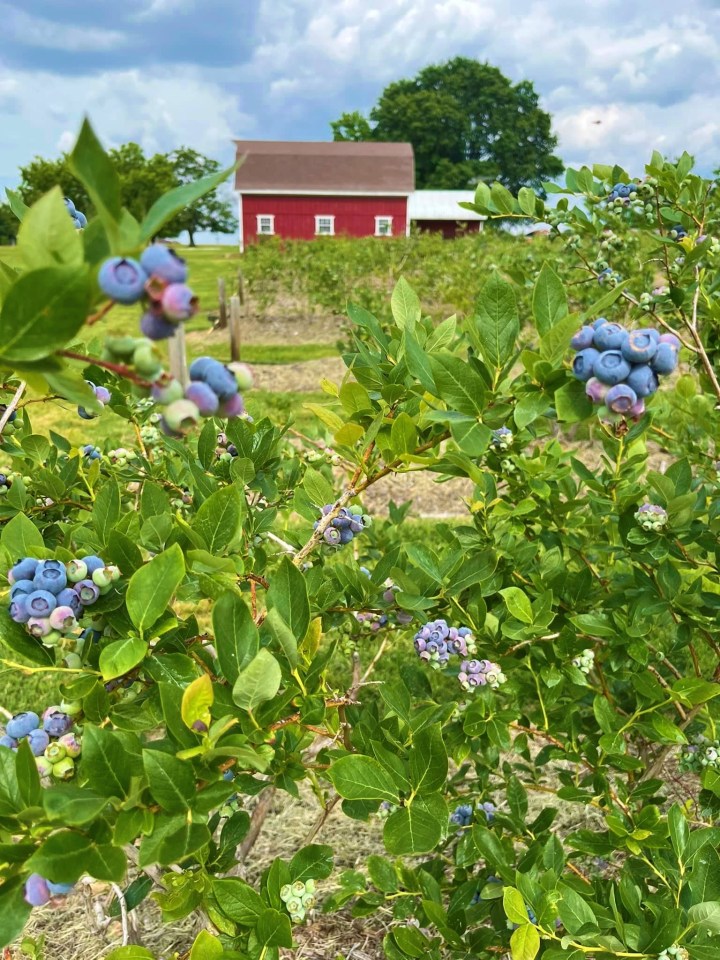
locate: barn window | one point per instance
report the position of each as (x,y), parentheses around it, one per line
(325,226)
(266,224)
(383,226)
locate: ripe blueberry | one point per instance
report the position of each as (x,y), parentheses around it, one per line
(122,279)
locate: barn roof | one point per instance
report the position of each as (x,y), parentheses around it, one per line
(325,167)
(442,205)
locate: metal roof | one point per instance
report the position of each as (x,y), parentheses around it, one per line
(441,205)
(325,167)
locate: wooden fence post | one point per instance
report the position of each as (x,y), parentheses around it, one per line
(222,304)
(178,356)
(234,325)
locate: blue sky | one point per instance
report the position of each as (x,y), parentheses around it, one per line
(199,72)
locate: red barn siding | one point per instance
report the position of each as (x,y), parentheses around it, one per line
(449,228)
(295,216)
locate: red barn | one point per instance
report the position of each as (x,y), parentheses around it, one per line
(302,190)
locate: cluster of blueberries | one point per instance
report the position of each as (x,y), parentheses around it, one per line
(91,452)
(298,897)
(50,738)
(120,457)
(699,754)
(652,517)
(623,191)
(344,527)
(675,952)
(213,390)
(157,279)
(79,219)
(102,395)
(48,597)
(502,439)
(39,891)
(436,642)
(225,450)
(620,367)
(585,661)
(462,816)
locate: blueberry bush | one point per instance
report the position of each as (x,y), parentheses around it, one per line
(542,748)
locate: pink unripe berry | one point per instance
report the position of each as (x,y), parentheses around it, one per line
(179,302)
(233,407)
(243,375)
(63,619)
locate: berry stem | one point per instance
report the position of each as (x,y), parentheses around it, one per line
(102,312)
(119,368)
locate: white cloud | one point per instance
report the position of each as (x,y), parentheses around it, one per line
(160,111)
(21,27)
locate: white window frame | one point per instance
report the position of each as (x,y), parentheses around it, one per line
(389,231)
(265,216)
(324,216)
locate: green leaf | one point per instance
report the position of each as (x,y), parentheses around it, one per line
(47,236)
(258,682)
(171,782)
(405,305)
(14,910)
(173,839)
(382,873)
(218,519)
(69,384)
(458,384)
(238,901)
(273,929)
(21,538)
(318,489)
(106,509)
(288,595)
(152,587)
(16,203)
(525,943)
(174,201)
(549,302)
(62,858)
(572,403)
(362,778)
(314,862)
(428,760)
(413,830)
(514,905)
(197,700)
(94,169)
(206,947)
(43,310)
(526,200)
(574,911)
(403,434)
(119,657)
(518,604)
(496,326)
(72,805)
(679,832)
(277,630)
(236,636)
(706,916)
(104,762)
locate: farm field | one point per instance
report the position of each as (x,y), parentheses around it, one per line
(425,511)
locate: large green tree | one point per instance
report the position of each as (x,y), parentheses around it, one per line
(467,122)
(143,179)
(213,213)
(8,225)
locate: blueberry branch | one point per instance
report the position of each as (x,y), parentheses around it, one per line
(118,368)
